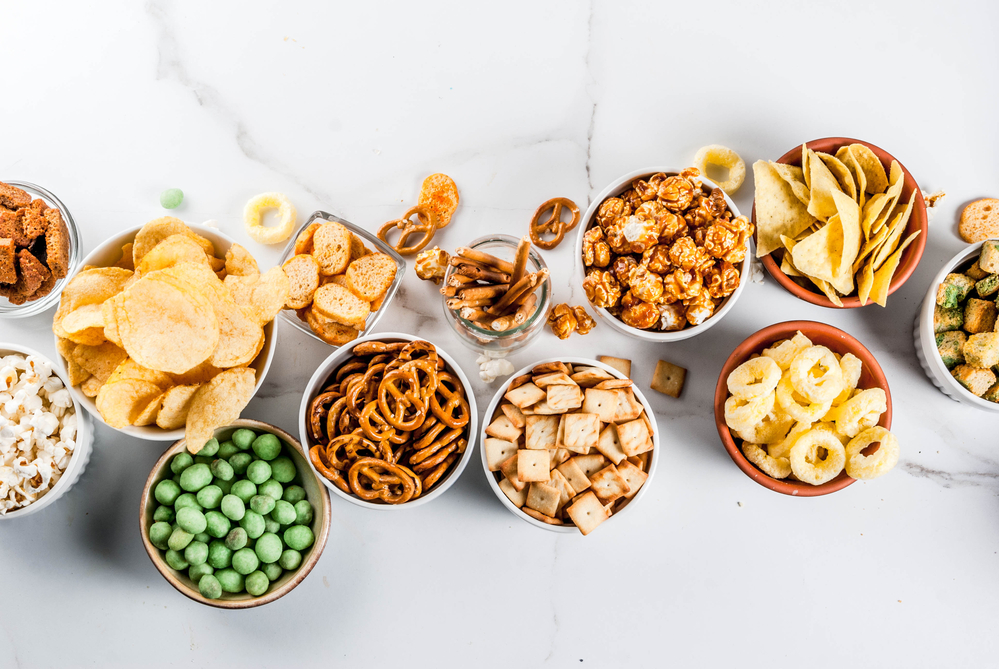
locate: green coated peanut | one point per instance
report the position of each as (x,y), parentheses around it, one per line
(273,571)
(290,559)
(159,534)
(267,446)
(218,524)
(222,470)
(298,537)
(200,459)
(243,438)
(303,512)
(240,462)
(181,461)
(271,488)
(233,507)
(257,583)
(244,490)
(166,492)
(245,561)
(210,448)
(186,500)
(258,471)
(195,477)
(164,514)
(203,537)
(196,553)
(179,539)
(210,587)
(271,525)
(262,504)
(219,555)
(283,469)
(224,486)
(210,497)
(253,523)
(236,539)
(227,449)
(284,513)
(198,570)
(294,494)
(176,560)
(268,548)
(192,520)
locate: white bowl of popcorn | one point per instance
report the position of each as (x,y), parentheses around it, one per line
(45,435)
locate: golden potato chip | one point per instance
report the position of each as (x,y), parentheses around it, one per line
(130,369)
(261,296)
(89,336)
(805,173)
(148,415)
(218,264)
(217,404)
(75,373)
(120,403)
(155,231)
(101,360)
(240,337)
(821,185)
(110,314)
(874,171)
(82,318)
(92,286)
(883,276)
(165,328)
(198,375)
(793,176)
(842,174)
(91,386)
(64,347)
(778,210)
(869,247)
(171,251)
(125,262)
(174,406)
(239,262)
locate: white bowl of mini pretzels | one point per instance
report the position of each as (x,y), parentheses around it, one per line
(388,421)
(568,443)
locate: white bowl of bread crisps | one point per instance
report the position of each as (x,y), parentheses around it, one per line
(568,443)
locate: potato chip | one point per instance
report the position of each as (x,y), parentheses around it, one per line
(198,375)
(870,164)
(900,219)
(125,262)
(172,250)
(91,387)
(897,180)
(130,369)
(165,328)
(101,360)
(155,231)
(148,415)
(109,312)
(175,405)
(239,262)
(778,210)
(87,316)
(261,296)
(822,184)
(120,403)
(217,404)
(92,286)
(240,338)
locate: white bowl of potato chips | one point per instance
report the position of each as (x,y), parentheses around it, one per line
(168,330)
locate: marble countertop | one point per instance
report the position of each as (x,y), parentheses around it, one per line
(345,108)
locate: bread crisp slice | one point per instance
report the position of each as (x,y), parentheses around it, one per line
(339,304)
(331,332)
(331,248)
(370,276)
(303,273)
(8,261)
(980,221)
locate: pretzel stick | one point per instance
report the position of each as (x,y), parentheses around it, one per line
(520,262)
(518,317)
(483,274)
(526,284)
(457,303)
(479,292)
(449,291)
(478,256)
(478,316)
(458,280)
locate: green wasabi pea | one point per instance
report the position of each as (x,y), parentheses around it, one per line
(192,520)
(294,494)
(219,555)
(181,461)
(195,477)
(200,459)
(186,500)
(290,559)
(233,507)
(175,560)
(227,449)
(179,539)
(271,488)
(298,537)
(268,548)
(271,525)
(210,497)
(171,198)
(244,490)
(284,512)
(198,570)
(166,492)
(283,469)
(240,462)
(267,446)
(253,523)
(203,537)
(303,512)
(224,486)
(196,553)
(262,504)
(272,571)
(210,448)
(210,587)
(164,514)
(222,470)
(159,534)
(243,438)
(218,524)
(257,583)
(245,561)
(258,471)
(236,539)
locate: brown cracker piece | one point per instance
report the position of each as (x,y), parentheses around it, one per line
(497,450)
(525,395)
(587,512)
(331,248)
(590,464)
(622,365)
(56,243)
(12,228)
(544,498)
(33,273)
(549,367)
(633,476)
(33,221)
(588,377)
(502,428)
(635,437)
(537,515)
(614,384)
(564,398)
(515,415)
(542,408)
(553,378)
(610,445)
(628,408)
(519,381)
(541,432)
(13,197)
(533,466)
(601,402)
(608,484)
(565,489)
(574,475)
(558,456)
(668,379)
(8,261)
(509,470)
(517,496)
(582,432)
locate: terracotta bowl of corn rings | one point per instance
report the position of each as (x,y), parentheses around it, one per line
(388,421)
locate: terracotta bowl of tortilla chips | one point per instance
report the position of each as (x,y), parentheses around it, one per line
(109,253)
(803,288)
(823,335)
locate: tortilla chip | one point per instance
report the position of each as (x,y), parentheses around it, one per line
(900,220)
(846,156)
(848,213)
(874,171)
(883,276)
(778,210)
(822,184)
(793,176)
(817,256)
(842,174)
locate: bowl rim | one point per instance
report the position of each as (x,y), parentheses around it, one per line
(75,249)
(914,252)
(325,368)
(579,272)
(168,573)
(959,392)
(755,343)
(146,432)
(574,360)
(83,427)
(289,315)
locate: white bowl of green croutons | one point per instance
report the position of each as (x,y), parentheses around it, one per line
(956,337)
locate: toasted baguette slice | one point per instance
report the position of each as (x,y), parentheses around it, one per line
(303,243)
(357,248)
(370,276)
(331,248)
(303,273)
(339,304)
(980,221)
(330,331)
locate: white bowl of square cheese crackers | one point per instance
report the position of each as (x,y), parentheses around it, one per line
(45,435)
(567,443)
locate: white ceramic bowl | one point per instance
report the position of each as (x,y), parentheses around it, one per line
(106,255)
(617,187)
(925,338)
(494,404)
(81,454)
(337,358)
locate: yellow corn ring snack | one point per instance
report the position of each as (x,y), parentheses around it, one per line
(784,352)
(743,415)
(772,429)
(851,366)
(860,466)
(816,374)
(797,406)
(778,468)
(253,218)
(782,449)
(754,378)
(722,156)
(809,465)
(861,411)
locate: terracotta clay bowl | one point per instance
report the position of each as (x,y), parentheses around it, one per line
(821,334)
(917,221)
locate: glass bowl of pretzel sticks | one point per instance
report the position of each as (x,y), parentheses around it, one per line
(497,293)
(388,421)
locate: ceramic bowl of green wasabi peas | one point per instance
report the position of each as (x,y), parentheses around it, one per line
(239,525)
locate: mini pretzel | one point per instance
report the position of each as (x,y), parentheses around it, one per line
(430,478)
(554,223)
(375,348)
(409,411)
(454,402)
(427,225)
(376,428)
(319,408)
(331,474)
(373,479)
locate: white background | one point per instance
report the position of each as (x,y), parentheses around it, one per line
(346,107)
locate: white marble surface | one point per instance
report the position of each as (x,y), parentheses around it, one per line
(346,107)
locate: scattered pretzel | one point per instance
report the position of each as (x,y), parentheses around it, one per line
(554,224)
(426,225)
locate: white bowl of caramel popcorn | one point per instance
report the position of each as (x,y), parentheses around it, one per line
(663,254)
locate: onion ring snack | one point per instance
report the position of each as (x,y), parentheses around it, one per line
(253,218)
(722,156)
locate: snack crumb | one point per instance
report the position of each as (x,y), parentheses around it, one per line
(739,503)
